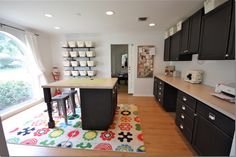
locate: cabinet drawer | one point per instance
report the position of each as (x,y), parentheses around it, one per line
(187,133)
(160,99)
(185,119)
(160,89)
(160,93)
(223,122)
(160,83)
(185,109)
(188,100)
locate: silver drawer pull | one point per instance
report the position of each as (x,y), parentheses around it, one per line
(159,93)
(182,116)
(211,116)
(184,99)
(183,107)
(159,82)
(160,88)
(181,126)
(159,100)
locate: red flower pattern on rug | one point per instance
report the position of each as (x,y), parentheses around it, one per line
(140,137)
(125,126)
(107,135)
(137,119)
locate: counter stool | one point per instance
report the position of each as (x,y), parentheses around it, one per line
(61,104)
(72,102)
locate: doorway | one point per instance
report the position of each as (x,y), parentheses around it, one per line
(119,65)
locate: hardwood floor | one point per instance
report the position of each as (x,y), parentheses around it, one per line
(161,136)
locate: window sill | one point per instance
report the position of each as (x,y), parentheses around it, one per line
(19,109)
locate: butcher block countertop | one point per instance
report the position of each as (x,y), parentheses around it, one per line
(202,93)
(86,83)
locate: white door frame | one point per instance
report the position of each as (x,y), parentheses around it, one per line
(130,66)
(130,69)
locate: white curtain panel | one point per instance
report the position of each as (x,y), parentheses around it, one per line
(34,55)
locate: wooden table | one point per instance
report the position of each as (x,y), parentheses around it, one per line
(98,98)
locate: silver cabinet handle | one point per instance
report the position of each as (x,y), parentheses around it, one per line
(184,99)
(159,100)
(159,82)
(182,116)
(227,55)
(159,93)
(160,88)
(211,116)
(183,107)
(185,51)
(181,126)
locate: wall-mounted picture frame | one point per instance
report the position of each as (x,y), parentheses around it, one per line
(145,61)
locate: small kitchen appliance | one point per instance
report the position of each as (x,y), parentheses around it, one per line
(194,76)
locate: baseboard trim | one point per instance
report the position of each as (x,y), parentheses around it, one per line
(19,109)
(143,95)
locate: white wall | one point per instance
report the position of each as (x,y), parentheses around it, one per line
(142,86)
(215,71)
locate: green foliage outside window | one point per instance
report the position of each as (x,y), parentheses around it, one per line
(14,92)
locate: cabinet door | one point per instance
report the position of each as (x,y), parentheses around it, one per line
(194,32)
(209,139)
(175,46)
(184,37)
(215,33)
(231,48)
(167,49)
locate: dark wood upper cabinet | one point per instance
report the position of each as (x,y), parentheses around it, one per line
(167,49)
(194,32)
(175,46)
(215,33)
(190,35)
(184,36)
(231,47)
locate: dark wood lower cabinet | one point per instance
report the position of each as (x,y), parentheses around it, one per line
(98,106)
(209,131)
(209,139)
(165,95)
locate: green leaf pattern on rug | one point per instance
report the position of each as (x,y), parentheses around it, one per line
(141,149)
(47,143)
(138,127)
(77,124)
(14,140)
(90,135)
(135,112)
(82,145)
(72,117)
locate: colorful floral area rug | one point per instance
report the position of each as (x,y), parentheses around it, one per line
(124,135)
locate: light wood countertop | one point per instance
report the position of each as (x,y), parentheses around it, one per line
(202,93)
(95,83)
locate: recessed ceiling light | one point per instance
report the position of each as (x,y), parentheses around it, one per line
(56,27)
(152,24)
(48,15)
(109,12)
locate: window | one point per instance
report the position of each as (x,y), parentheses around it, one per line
(16,80)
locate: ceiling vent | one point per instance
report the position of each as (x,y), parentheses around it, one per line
(142,19)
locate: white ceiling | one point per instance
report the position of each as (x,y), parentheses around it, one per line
(93,19)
